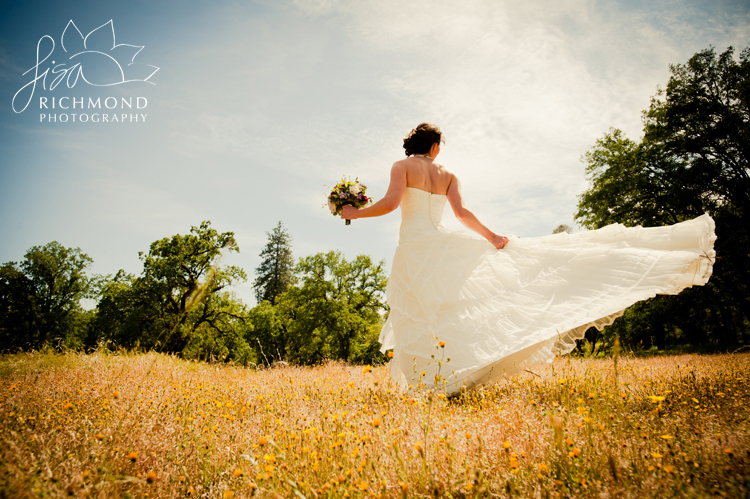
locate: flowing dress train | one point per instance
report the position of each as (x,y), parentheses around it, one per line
(499,311)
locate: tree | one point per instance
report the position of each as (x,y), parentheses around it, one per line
(177,304)
(118,312)
(40,297)
(694,158)
(224,336)
(268,337)
(275,272)
(335,312)
(563,228)
(704,125)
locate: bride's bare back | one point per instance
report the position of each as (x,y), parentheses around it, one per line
(424,173)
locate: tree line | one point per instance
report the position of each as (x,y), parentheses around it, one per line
(693,158)
(322,307)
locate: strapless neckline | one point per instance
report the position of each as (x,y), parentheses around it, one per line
(426,192)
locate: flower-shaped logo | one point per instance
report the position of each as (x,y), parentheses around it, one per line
(95,58)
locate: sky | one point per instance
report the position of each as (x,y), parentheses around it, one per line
(252,108)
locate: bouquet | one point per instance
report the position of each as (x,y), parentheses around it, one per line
(347,192)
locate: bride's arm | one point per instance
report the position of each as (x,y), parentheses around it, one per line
(390,201)
(466,217)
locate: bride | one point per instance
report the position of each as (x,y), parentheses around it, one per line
(500,304)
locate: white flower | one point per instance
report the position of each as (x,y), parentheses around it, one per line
(355,189)
(332,207)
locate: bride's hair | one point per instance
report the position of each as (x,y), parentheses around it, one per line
(420,140)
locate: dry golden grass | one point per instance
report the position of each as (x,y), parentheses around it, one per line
(152,425)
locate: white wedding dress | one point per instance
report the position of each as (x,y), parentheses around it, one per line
(499,311)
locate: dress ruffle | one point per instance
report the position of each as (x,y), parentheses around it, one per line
(501,311)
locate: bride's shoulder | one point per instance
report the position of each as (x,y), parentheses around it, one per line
(401,165)
(443,171)
(442,168)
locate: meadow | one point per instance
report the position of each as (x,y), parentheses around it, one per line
(149,425)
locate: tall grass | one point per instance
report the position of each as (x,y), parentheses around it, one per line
(152,425)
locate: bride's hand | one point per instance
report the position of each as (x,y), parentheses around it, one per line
(499,241)
(349,212)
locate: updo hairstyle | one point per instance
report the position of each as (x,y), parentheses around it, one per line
(420,140)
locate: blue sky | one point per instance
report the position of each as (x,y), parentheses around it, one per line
(257,105)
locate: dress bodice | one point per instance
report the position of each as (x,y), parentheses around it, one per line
(421,212)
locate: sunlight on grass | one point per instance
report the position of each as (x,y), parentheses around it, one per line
(136,425)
